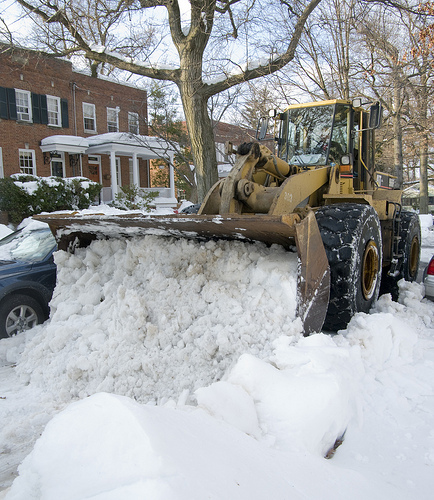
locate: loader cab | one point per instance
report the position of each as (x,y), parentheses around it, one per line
(331,133)
(316,134)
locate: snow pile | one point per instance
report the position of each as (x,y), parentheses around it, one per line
(303,397)
(4,231)
(262,430)
(232,401)
(154,318)
(131,451)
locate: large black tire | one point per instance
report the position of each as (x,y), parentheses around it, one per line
(351,234)
(409,246)
(19,313)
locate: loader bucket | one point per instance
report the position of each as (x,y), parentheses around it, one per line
(289,231)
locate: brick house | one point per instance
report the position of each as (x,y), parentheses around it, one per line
(57,121)
(224,132)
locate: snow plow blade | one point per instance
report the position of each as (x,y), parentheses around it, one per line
(289,231)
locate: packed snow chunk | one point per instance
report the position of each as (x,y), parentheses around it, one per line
(385,340)
(151,317)
(109,447)
(4,231)
(232,404)
(305,398)
(91,447)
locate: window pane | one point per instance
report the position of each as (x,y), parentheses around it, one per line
(89,117)
(112,120)
(27,162)
(53,106)
(133,123)
(22,98)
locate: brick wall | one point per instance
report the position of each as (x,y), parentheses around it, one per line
(47,76)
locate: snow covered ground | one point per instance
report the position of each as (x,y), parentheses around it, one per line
(177,370)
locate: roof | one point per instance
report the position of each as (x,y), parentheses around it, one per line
(121,143)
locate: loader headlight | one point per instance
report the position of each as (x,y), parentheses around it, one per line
(346,160)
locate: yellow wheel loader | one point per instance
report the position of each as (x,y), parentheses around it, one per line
(319,194)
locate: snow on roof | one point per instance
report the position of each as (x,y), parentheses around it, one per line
(120,142)
(65,143)
(126,143)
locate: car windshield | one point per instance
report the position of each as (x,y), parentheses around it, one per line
(27,245)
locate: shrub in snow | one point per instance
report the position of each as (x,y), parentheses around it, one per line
(132,198)
(26,195)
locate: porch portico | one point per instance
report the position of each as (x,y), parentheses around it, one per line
(116,144)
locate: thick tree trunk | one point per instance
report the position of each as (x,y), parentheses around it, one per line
(201,136)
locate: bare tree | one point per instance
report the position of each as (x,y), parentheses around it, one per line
(190,40)
(384,69)
(325,63)
(399,71)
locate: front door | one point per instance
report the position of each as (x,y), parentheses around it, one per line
(58,164)
(94,163)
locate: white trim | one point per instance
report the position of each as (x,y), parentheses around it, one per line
(136,173)
(59,160)
(113,126)
(65,143)
(118,172)
(23,116)
(57,114)
(113,174)
(89,116)
(2,173)
(133,121)
(33,160)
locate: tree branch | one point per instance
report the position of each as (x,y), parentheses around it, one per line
(273,65)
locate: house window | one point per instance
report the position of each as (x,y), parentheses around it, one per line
(53,107)
(27,161)
(222,157)
(89,117)
(133,122)
(24,106)
(113,119)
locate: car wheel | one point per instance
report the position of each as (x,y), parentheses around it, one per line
(19,313)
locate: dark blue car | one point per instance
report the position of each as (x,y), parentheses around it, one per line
(27,278)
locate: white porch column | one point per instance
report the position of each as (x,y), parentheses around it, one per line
(171,178)
(114,182)
(135,170)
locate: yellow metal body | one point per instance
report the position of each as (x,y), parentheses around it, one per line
(267,199)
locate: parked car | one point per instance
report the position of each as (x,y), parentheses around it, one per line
(428,279)
(27,278)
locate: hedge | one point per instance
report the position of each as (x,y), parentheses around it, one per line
(23,195)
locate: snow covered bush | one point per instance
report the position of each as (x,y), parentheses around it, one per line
(133,198)
(26,195)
